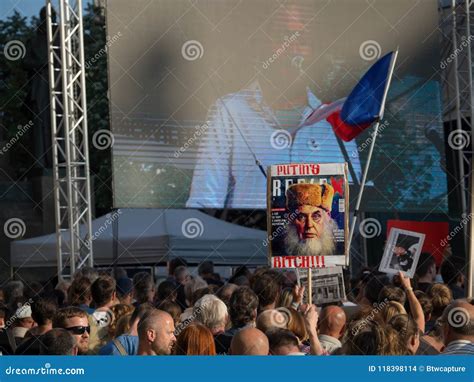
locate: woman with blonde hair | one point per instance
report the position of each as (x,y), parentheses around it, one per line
(296,325)
(123,325)
(116,312)
(390,310)
(408,333)
(286,298)
(374,338)
(441,296)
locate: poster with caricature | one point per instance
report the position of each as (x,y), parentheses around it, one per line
(307,215)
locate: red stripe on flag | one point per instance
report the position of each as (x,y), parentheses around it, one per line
(343,130)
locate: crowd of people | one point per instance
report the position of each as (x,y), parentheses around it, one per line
(264,312)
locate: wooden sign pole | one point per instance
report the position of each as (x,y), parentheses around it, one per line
(310,286)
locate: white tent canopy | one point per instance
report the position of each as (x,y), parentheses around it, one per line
(150,236)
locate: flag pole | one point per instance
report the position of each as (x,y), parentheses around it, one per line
(371,150)
(310,286)
(470,260)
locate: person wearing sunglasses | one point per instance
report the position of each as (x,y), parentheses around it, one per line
(76,322)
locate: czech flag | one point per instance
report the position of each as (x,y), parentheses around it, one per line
(365,104)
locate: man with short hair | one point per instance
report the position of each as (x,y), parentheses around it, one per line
(332,323)
(104,295)
(58,342)
(79,294)
(283,342)
(452,274)
(267,288)
(166,291)
(182,278)
(12,291)
(156,334)
(42,312)
(143,288)
(173,264)
(458,328)
(88,272)
(76,322)
(249,341)
(124,290)
(242,310)
(225,292)
(426,271)
(206,271)
(103,292)
(3,315)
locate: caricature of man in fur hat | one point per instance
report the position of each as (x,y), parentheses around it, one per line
(310,230)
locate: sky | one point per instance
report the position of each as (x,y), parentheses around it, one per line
(26,8)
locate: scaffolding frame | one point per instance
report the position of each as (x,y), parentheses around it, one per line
(456,23)
(70,149)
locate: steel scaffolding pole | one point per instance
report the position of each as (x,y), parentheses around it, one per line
(458,89)
(71,174)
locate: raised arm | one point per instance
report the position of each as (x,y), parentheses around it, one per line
(415,306)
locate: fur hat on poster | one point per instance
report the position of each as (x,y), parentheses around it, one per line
(317,195)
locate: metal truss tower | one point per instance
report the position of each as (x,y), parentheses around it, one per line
(457,26)
(68,105)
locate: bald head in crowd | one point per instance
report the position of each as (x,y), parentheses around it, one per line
(271,319)
(156,333)
(332,321)
(458,318)
(250,341)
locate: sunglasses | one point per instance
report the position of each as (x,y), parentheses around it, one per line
(79,329)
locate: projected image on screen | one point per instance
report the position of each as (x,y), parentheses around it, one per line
(206,94)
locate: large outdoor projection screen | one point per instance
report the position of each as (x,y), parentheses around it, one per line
(205,94)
